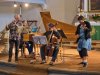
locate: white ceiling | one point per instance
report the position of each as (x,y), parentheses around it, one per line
(8,2)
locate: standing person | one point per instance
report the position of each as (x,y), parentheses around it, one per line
(84,39)
(14,28)
(52,33)
(26,30)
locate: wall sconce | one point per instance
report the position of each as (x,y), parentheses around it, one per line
(15,5)
(26,4)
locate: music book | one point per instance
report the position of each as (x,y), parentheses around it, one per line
(40,40)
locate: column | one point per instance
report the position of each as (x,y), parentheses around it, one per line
(86,8)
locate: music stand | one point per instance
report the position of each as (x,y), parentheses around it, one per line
(62,34)
(41,40)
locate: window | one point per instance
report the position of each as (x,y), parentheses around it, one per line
(94,5)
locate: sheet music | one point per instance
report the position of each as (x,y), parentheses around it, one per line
(40,39)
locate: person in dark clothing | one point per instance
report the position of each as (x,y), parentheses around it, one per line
(15,28)
(50,34)
(84,39)
(29,44)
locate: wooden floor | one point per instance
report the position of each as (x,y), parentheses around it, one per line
(70,61)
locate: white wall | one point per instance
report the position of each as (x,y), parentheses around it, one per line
(57,9)
(6,16)
(63,10)
(71,9)
(32,13)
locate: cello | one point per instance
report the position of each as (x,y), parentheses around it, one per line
(51,45)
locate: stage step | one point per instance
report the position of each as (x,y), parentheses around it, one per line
(22,69)
(12,69)
(4,72)
(9,69)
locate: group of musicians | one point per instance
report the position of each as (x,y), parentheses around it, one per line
(17,28)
